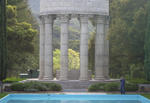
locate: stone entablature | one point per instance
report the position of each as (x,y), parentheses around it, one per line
(100,7)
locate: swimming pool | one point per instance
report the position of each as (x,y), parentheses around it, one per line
(59,98)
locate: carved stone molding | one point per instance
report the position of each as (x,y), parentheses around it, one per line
(84,18)
(64,18)
(41,21)
(107,20)
(100,19)
(48,19)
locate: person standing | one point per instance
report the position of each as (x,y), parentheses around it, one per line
(122,85)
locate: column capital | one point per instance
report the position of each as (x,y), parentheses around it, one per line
(64,18)
(48,19)
(84,18)
(100,19)
(107,18)
(41,21)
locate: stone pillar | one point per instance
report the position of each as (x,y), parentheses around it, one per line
(99,48)
(84,47)
(48,48)
(42,39)
(64,47)
(106,53)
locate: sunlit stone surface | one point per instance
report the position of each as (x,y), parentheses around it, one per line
(74,7)
(84,10)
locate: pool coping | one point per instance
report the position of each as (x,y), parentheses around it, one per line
(139,97)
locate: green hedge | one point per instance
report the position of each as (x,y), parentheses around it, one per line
(132,87)
(104,87)
(12,80)
(35,86)
(138,81)
(109,87)
(96,87)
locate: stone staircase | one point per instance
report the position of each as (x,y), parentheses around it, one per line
(74,84)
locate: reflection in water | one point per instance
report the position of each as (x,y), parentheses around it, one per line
(73,101)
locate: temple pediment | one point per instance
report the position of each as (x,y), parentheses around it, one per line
(74,7)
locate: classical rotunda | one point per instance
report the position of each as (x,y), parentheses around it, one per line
(64,10)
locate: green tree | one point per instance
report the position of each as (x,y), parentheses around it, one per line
(20,42)
(24,13)
(3,37)
(74,60)
(126,35)
(147,44)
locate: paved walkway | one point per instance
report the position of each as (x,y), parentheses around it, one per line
(75,90)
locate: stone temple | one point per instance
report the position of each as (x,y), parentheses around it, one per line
(64,10)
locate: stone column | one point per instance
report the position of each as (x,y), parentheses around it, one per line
(48,48)
(99,48)
(42,39)
(106,53)
(64,47)
(84,47)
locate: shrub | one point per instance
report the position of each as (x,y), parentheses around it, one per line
(96,87)
(12,80)
(131,87)
(111,87)
(139,81)
(35,86)
(108,87)
(17,87)
(53,87)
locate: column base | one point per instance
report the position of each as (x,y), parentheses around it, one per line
(83,79)
(40,78)
(100,78)
(107,77)
(47,78)
(63,79)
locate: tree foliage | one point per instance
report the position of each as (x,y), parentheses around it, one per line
(3,37)
(147,45)
(74,60)
(91,53)
(127,35)
(20,39)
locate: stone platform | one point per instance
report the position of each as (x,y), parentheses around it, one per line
(74,84)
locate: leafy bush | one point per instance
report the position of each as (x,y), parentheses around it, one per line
(111,87)
(35,86)
(12,80)
(104,87)
(96,87)
(53,86)
(131,87)
(17,87)
(139,81)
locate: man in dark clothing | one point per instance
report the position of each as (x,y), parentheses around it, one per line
(122,85)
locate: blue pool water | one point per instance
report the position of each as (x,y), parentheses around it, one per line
(52,98)
(73,101)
